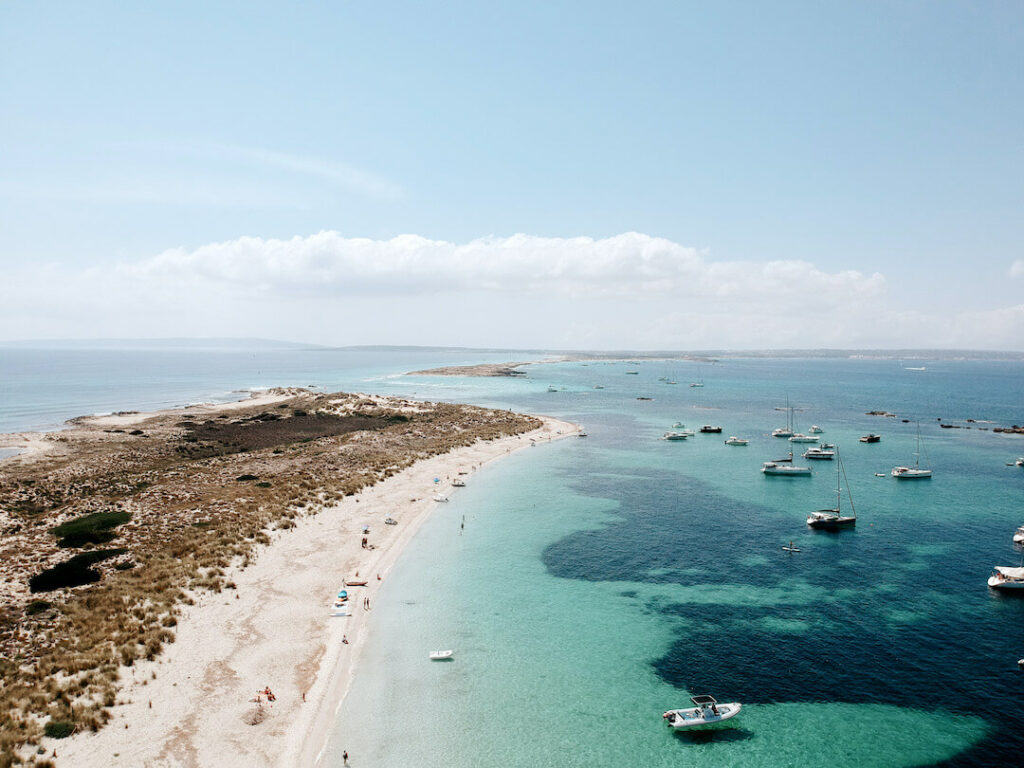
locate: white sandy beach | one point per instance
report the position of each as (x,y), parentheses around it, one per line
(194,705)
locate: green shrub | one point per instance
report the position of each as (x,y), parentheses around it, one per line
(246,478)
(73,572)
(89,529)
(59,729)
(36,606)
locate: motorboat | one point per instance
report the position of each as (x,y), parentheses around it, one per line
(802,438)
(709,429)
(815,430)
(871,438)
(459,482)
(785,468)
(552,389)
(441,655)
(675,435)
(581,433)
(737,441)
(834,519)
(915,472)
(817,452)
(441,498)
(1018,537)
(1006,578)
(706,715)
(1019,462)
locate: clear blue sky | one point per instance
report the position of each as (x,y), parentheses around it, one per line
(873,137)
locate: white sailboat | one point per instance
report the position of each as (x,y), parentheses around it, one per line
(786,431)
(785,468)
(915,472)
(834,519)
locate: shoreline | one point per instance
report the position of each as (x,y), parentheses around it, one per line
(274,630)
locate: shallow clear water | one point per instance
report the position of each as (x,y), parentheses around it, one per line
(600,581)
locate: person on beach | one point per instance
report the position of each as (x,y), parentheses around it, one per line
(344,639)
(344,756)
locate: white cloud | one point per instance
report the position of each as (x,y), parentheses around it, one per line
(627,291)
(1017,268)
(626,265)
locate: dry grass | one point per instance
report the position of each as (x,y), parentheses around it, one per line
(191,518)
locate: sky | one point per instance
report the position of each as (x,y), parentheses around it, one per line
(585,175)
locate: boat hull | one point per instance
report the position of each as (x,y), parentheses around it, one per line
(1005,585)
(694,720)
(831,523)
(787,471)
(903,473)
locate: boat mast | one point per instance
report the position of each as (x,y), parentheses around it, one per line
(849,494)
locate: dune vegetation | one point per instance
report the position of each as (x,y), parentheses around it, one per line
(106,536)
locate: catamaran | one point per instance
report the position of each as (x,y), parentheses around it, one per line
(834,519)
(915,472)
(706,714)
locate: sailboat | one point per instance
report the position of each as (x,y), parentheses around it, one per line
(834,519)
(786,431)
(785,468)
(915,472)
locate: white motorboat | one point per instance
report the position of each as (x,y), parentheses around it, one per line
(441,498)
(1018,537)
(706,714)
(822,454)
(1019,462)
(834,519)
(815,430)
(915,472)
(737,441)
(1007,578)
(802,438)
(441,655)
(785,468)
(676,435)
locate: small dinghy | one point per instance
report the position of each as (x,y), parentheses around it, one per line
(441,655)
(706,715)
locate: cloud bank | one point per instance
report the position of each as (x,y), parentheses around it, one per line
(630,291)
(624,266)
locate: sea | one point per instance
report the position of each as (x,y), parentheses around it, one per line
(587,585)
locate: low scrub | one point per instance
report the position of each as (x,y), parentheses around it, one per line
(96,528)
(72,573)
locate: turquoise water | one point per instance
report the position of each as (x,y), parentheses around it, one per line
(600,581)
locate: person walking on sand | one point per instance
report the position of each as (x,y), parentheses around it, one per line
(344,756)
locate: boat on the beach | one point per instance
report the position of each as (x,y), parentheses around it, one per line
(441,655)
(736,441)
(785,468)
(459,482)
(834,519)
(355,583)
(1006,578)
(710,429)
(819,453)
(915,472)
(706,714)
(871,438)
(676,435)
